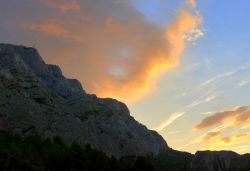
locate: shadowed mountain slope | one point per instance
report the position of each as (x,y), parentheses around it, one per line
(36,98)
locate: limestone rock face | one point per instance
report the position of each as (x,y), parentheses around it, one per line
(36,98)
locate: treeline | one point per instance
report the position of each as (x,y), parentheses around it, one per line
(35,154)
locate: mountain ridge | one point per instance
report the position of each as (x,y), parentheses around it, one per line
(54,105)
(36,99)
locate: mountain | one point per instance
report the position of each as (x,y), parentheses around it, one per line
(220,161)
(36,98)
(202,161)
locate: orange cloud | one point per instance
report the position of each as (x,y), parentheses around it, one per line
(181,27)
(226,140)
(228,143)
(234,139)
(122,54)
(211,135)
(192,3)
(223,117)
(242,119)
(63,5)
(56,30)
(226,120)
(151,55)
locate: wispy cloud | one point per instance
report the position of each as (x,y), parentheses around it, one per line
(208,113)
(218,80)
(191,142)
(237,115)
(228,142)
(210,136)
(243,82)
(224,75)
(220,136)
(241,148)
(194,35)
(202,101)
(170,120)
(205,98)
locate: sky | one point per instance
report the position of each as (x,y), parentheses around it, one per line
(181,66)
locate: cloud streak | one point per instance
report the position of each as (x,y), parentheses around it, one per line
(205,98)
(170,120)
(238,116)
(224,75)
(230,143)
(210,136)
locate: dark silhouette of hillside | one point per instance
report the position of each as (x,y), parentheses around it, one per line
(49,123)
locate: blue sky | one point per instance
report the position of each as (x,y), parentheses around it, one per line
(224,49)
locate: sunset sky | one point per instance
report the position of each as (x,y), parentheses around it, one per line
(181,66)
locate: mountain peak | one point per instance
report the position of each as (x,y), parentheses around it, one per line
(37,99)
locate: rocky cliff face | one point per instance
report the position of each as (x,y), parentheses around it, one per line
(36,98)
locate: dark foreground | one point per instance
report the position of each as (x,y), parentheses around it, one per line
(36,154)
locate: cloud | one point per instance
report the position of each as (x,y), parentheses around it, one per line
(181,28)
(242,119)
(191,142)
(229,143)
(243,83)
(210,136)
(194,35)
(224,75)
(217,81)
(241,148)
(63,5)
(208,113)
(55,30)
(151,52)
(181,112)
(170,120)
(237,116)
(219,138)
(192,3)
(229,140)
(108,45)
(202,101)
(226,140)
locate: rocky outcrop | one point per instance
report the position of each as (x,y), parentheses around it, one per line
(220,161)
(201,161)
(36,98)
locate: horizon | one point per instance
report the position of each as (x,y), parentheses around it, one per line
(182,67)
